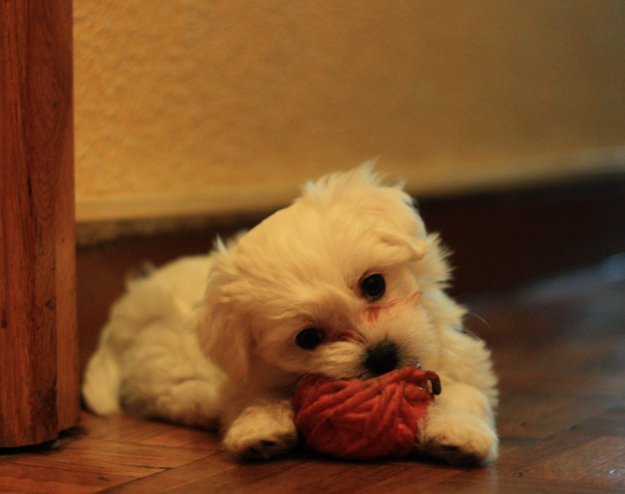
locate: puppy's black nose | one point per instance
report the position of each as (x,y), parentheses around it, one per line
(382,358)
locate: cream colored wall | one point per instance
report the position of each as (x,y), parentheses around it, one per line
(204,106)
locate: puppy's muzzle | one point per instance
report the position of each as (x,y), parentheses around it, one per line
(382,358)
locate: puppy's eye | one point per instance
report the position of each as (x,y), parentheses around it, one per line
(373,286)
(309,338)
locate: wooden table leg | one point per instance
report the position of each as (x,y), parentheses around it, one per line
(39,382)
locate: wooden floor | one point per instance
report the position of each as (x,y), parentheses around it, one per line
(559,345)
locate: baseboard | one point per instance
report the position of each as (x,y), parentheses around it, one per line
(501,239)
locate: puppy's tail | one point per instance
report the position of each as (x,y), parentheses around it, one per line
(101,383)
(166,298)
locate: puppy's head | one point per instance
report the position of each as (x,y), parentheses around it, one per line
(344,282)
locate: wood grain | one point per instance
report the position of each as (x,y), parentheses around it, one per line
(38,338)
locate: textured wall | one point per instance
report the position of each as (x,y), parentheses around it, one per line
(200,105)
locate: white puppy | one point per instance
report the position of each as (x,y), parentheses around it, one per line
(345,282)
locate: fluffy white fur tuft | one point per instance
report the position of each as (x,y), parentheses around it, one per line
(318,287)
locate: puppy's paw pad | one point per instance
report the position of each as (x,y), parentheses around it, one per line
(261,446)
(262,431)
(459,439)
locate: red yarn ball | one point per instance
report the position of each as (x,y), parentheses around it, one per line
(364,419)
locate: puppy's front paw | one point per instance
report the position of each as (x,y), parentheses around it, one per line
(261,432)
(458,437)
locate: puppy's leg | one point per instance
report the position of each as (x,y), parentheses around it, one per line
(192,402)
(166,377)
(459,427)
(262,431)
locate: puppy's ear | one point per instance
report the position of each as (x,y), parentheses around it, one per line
(414,247)
(223,333)
(396,209)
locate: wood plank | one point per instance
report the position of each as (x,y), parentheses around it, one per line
(325,476)
(246,477)
(89,465)
(17,476)
(98,464)
(39,393)
(574,462)
(93,450)
(517,462)
(609,422)
(21,485)
(514,485)
(184,438)
(414,476)
(611,473)
(179,479)
(540,414)
(121,428)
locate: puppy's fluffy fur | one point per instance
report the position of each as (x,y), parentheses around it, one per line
(213,340)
